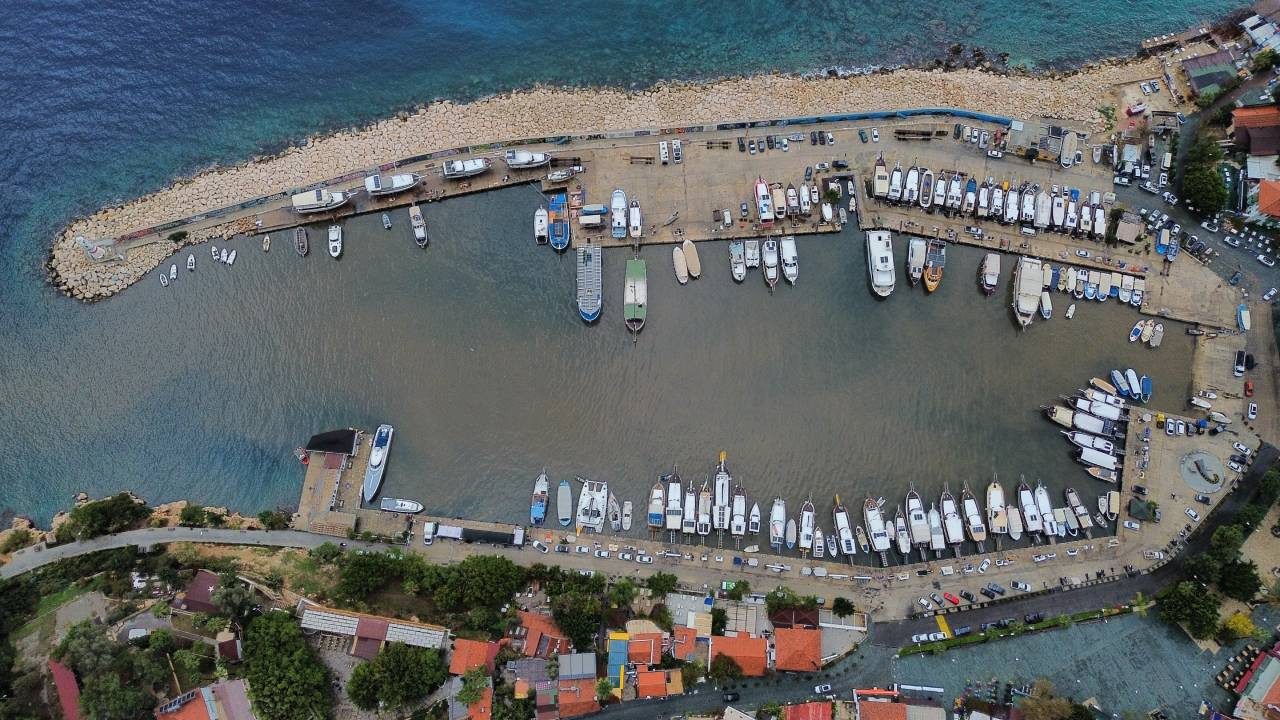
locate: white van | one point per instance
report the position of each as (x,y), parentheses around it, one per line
(664,152)
(676,152)
(1167,162)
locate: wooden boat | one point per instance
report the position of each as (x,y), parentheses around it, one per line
(1103,385)
(862,539)
(1148,327)
(300,244)
(935,260)
(682,268)
(691,258)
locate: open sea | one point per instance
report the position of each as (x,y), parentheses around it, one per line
(472,349)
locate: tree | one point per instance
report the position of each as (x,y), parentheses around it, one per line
(1264,60)
(622,593)
(1269,487)
(103,517)
(842,607)
(604,690)
(232,596)
(724,669)
(1240,580)
(661,583)
(363,574)
(740,589)
(398,676)
(192,516)
(1042,704)
(1225,543)
(86,649)
(286,681)
(1238,626)
(148,670)
(273,519)
(1203,189)
(326,552)
(1190,604)
(719,620)
(188,663)
(1203,567)
(474,682)
(104,697)
(579,615)
(1250,516)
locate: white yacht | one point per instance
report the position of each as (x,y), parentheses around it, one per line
(335,241)
(689,524)
(380,446)
(972,515)
(790,262)
(806,525)
(880,261)
(952,526)
(1030,513)
(915,259)
(937,540)
(753,520)
(657,506)
(458,169)
(738,518)
(844,532)
(320,200)
(1027,287)
(723,505)
(524,159)
(917,519)
(777,523)
(419,224)
(874,520)
(1046,510)
(540,219)
(673,502)
(997,518)
(389,185)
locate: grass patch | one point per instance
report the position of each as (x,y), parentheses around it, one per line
(45,610)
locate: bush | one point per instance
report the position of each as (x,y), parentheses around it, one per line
(398,676)
(177,237)
(103,517)
(273,519)
(1264,60)
(16,540)
(192,516)
(286,681)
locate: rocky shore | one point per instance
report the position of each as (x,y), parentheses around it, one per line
(1075,97)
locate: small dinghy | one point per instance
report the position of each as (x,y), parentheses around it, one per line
(1046,305)
(1071,311)
(1157,335)
(386,221)
(1103,385)
(191,262)
(164,280)
(1136,332)
(682,267)
(173,271)
(231,259)
(214,250)
(266,243)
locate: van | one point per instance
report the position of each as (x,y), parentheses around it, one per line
(428,533)
(664,152)
(1238,371)
(962,631)
(1027,230)
(677,153)
(1167,161)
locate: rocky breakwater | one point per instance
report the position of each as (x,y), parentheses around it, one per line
(1074,97)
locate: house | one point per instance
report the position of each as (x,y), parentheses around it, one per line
(1256,130)
(795,618)
(469,654)
(616,666)
(1130,228)
(228,646)
(197,597)
(578,666)
(733,713)
(537,635)
(1265,205)
(224,700)
(797,649)
(368,633)
(808,711)
(1262,32)
(526,675)
(1259,688)
(64,682)
(482,709)
(577,697)
(1210,73)
(546,701)
(881,710)
(751,653)
(645,649)
(651,684)
(684,643)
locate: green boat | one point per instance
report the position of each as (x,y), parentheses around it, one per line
(636,295)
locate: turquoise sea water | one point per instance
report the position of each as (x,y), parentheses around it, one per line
(201,394)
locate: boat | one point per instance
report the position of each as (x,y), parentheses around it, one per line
(1046,305)
(1136,332)
(335,241)
(1086,221)
(911,192)
(1091,287)
(458,169)
(673,512)
(895,183)
(937,540)
(1082,281)
(1011,207)
(1073,217)
(540,226)
(1059,211)
(266,243)
(876,530)
(1015,523)
(738,516)
(635,220)
(1067,518)
(164,279)
(1139,288)
(1103,410)
(689,522)
(1026,282)
(592,505)
(380,184)
(997,517)
(940,192)
(1030,514)
(926,189)
(917,519)
(1126,289)
(952,526)
(1113,505)
(1148,327)
(1059,414)
(590,296)
(380,446)
(989,273)
(657,506)
(524,159)
(1045,510)
(1119,384)
(1046,276)
(691,258)
(771,262)
(1087,440)
(1097,154)
(954,196)
(1044,206)
(915,259)
(419,225)
(300,244)
(880,261)
(386,221)
(806,526)
(753,520)
(1145,384)
(1135,386)
(538,505)
(1095,458)
(1029,203)
(1078,508)
(680,264)
(564,503)
(635,295)
(793,201)
(723,501)
(972,515)
(777,523)
(1104,386)
(231,259)
(1200,403)
(1157,335)
(791,533)
(861,535)
(222,256)
(1104,287)
(997,203)
(563,174)
(935,259)
(984,200)
(751,549)
(1099,222)
(764,203)
(790,262)
(806,200)
(626,515)
(970,197)
(737,260)
(819,543)
(843,531)
(1071,311)
(826,212)
(191,262)
(901,534)
(410,507)
(320,200)
(832,548)
(618,214)
(1242,317)
(752,248)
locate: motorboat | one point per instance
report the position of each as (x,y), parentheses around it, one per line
(231,259)
(1087,440)
(737,260)
(952,526)
(1135,386)
(1071,311)
(880,261)
(989,275)
(1148,327)
(266,243)
(691,258)
(997,517)
(419,225)
(926,189)
(901,533)
(459,169)
(984,200)
(680,264)
(564,503)
(379,184)
(832,548)
(819,542)
(1066,521)
(335,241)
(397,505)
(777,523)
(1011,207)
(917,519)
(1046,305)
(1030,513)
(954,196)
(689,521)
(753,520)
(164,279)
(790,262)
(563,174)
(1027,287)
(937,540)
(615,513)
(752,253)
(657,506)
(1015,523)
(1030,200)
(1136,332)
(593,503)
(806,525)
(876,530)
(589,281)
(911,192)
(723,502)
(191,262)
(1157,335)
(1082,282)
(1104,287)
(386,221)
(538,504)
(843,531)
(738,516)
(635,220)
(863,544)
(672,515)
(380,447)
(635,295)
(540,236)
(770,256)
(1119,383)
(618,214)
(895,184)
(626,515)
(972,515)
(915,259)
(524,159)
(704,510)
(940,192)
(1046,510)
(935,259)
(970,197)
(319,200)
(1059,211)
(1060,415)
(997,203)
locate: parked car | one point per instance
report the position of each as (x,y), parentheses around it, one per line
(1203,499)
(1252,412)
(875,134)
(924,603)
(920,638)
(1132,525)
(1238,369)
(936,599)
(751,146)
(951,598)
(730,697)
(962,631)
(742,145)
(1242,449)
(822,138)
(1269,295)
(602,553)
(968,596)
(1195,516)
(1164,179)
(1235,278)
(808,173)
(583,549)
(987,592)
(821,689)
(537,545)
(1268,261)
(995,154)
(996,588)
(743,210)
(823,166)
(562,548)
(1020,585)
(1146,89)
(1140,490)
(1236,467)
(1032,618)
(831,138)
(862,135)
(786,144)
(986,563)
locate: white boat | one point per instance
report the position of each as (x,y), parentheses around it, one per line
(231,258)
(689,523)
(777,523)
(752,251)
(563,174)
(790,262)
(1044,206)
(320,200)
(1071,311)
(618,214)
(1027,284)
(997,518)
(954,196)
(635,221)
(723,504)
(972,515)
(843,531)
(937,540)
(791,533)
(997,203)
(940,191)
(806,526)
(753,520)
(657,506)
(389,185)
(806,204)
(1046,510)
(990,272)
(917,519)
(737,261)
(266,243)
(173,271)
(879,536)
(335,241)
(589,281)
(895,183)
(764,203)
(770,262)
(680,264)
(1029,202)
(379,448)
(819,543)
(524,159)
(1098,409)
(1099,222)
(419,225)
(1157,335)
(880,262)
(1059,211)
(1096,458)
(738,518)
(1015,523)
(1011,207)
(1135,388)
(1046,305)
(164,279)
(1064,520)
(1077,507)
(615,513)
(564,503)
(1086,220)
(626,515)
(191,262)
(915,259)
(826,212)
(593,503)
(458,169)
(911,192)
(540,236)
(952,525)
(673,513)
(691,258)
(1030,513)
(901,533)
(400,506)
(704,510)
(386,221)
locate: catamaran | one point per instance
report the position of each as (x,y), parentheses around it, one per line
(589,282)
(379,447)
(538,505)
(843,532)
(379,184)
(524,159)
(880,261)
(592,502)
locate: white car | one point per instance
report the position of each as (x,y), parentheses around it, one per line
(822,167)
(1252,412)
(1170,427)
(924,603)
(1195,516)
(986,563)
(785,144)
(644,559)
(1268,295)
(821,689)
(1164,179)
(995,154)
(917,639)
(1176,229)
(875,134)
(624,556)
(537,545)
(1132,525)
(582,549)
(602,553)
(831,139)
(1019,585)
(1269,262)
(1237,467)
(1242,449)
(1146,89)
(1072,552)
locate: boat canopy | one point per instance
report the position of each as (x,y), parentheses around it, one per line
(343,442)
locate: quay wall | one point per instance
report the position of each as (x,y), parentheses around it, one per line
(554,115)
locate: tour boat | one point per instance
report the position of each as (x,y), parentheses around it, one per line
(680,264)
(1030,513)
(300,244)
(379,184)
(419,225)
(335,241)
(752,252)
(1026,282)
(657,506)
(915,259)
(790,262)
(723,503)
(879,535)
(1046,510)
(689,522)
(458,169)
(380,446)
(917,519)
(538,504)
(635,293)
(997,518)
(540,226)
(879,261)
(952,525)
(753,520)
(989,274)
(973,516)
(673,513)
(590,290)
(738,516)
(564,503)
(935,259)
(901,534)
(777,523)
(806,525)
(524,159)
(737,261)
(321,200)
(843,531)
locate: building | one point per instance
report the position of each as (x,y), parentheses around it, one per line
(617,658)
(808,711)
(578,666)
(537,635)
(1256,130)
(225,700)
(576,697)
(881,710)
(797,649)
(645,649)
(197,597)
(368,633)
(795,618)
(1210,73)
(526,675)
(468,654)
(227,645)
(482,709)
(750,653)
(1262,32)
(651,684)
(64,682)
(1259,688)
(1130,228)
(685,644)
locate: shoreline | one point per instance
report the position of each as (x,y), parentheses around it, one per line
(1074,97)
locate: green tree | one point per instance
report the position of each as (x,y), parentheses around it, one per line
(474,682)
(1225,543)
(188,664)
(103,517)
(661,583)
(363,574)
(621,593)
(192,516)
(398,676)
(148,670)
(724,669)
(842,607)
(719,620)
(1203,189)
(286,681)
(86,649)
(1264,60)
(579,615)
(1269,488)
(273,519)
(326,552)
(161,641)
(1203,567)
(1188,603)
(104,697)
(740,589)
(604,690)
(1240,580)
(1250,516)
(233,596)
(16,540)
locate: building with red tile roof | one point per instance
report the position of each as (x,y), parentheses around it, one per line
(879,710)
(368,633)
(645,648)
(797,649)
(1269,198)
(1259,688)
(750,653)
(809,711)
(481,709)
(64,681)
(795,617)
(226,700)
(684,642)
(651,684)
(539,636)
(577,697)
(198,595)
(469,654)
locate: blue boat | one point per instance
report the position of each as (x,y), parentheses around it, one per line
(1122,385)
(1242,317)
(1053,281)
(1146,388)
(559,222)
(1090,291)
(538,507)
(589,282)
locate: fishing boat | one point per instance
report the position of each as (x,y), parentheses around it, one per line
(984,200)
(861,535)
(540,226)
(524,159)
(1077,507)
(790,261)
(874,519)
(970,197)
(1026,282)
(1145,384)
(538,505)
(657,506)
(1136,332)
(635,220)
(911,193)
(680,264)
(880,262)
(791,533)
(618,214)
(379,447)
(635,295)
(1060,415)
(738,516)
(997,202)
(418,224)
(1015,523)
(926,190)
(843,531)
(937,540)
(558,220)
(737,260)
(321,200)
(989,273)
(1030,514)
(689,522)
(231,259)
(386,221)
(1030,200)
(459,169)
(935,259)
(1046,510)
(1059,211)
(626,515)
(952,526)
(691,258)
(1242,317)
(752,248)
(673,513)
(915,259)
(895,183)
(806,525)
(563,174)
(1157,335)
(917,519)
(379,184)
(592,505)
(1148,327)
(940,192)
(300,244)
(972,515)
(1135,387)
(819,542)
(1046,305)
(997,517)
(589,281)
(753,520)
(335,241)
(954,192)
(777,523)
(901,534)
(564,503)
(723,502)
(1044,207)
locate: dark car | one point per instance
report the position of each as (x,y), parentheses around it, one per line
(1240,459)
(962,631)
(731,697)
(840,164)
(769,141)
(862,135)
(1007,622)
(955,131)
(985,627)
(1236,277)
(808,173)
(1033,618)
(813,138)
(1140,490)
(742,145)
(987,592)
(822,138)
(1203,499)
(967,595)
(1249,362)
(996,588)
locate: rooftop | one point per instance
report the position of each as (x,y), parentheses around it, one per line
(577,697)
(750,653)
(1269,197)
(369,632)
(798,649)
(539,635)
(198,595)
(225,700)
(809,711)
(645,648)
(469,654)
(880,710)
(651,684)
(578,666)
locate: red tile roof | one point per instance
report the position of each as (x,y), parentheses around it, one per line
(645,648)
(652,684)
(794,617)
(1254,117)
(543,638)
(873,710)
(469,654)
(577,697)
(482,710)
(371,627)
(68,690)
(750,653)
(684,641)
(809,711)
(798,649)
(198,597)
(1269,197)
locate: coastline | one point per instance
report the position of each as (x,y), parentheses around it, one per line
(1074,97)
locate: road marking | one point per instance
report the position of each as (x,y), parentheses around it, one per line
(942,625)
